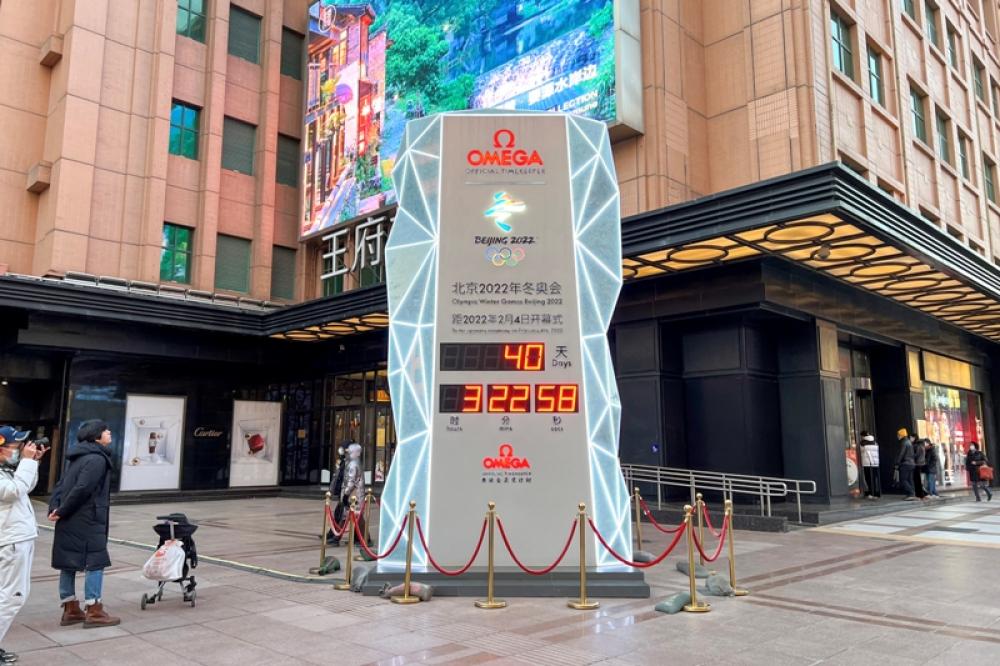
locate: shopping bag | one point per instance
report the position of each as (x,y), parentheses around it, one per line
(167,563)
(985,473)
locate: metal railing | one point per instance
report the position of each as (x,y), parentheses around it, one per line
(763,488)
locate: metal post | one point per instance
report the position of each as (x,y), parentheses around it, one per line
(583,603)
(638,522)
(408,598)
(489,602)
(798,500)
(695,606)
(348,559)
(322,534)
(732,553)
(699,508)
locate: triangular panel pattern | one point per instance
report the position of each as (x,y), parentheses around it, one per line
(411,284)
(597,227)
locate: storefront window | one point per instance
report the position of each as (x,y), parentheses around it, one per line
(954,419)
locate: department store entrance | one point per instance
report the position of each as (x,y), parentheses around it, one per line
(357,409)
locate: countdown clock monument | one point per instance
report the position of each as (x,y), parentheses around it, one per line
(503,270)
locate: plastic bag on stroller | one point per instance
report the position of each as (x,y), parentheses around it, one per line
(167,563)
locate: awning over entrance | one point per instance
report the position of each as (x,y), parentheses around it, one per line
(827,219)
(831,221)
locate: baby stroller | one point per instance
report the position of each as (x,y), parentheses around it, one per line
(176,526)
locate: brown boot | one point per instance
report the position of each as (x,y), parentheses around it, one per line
(72,613)
(97,617)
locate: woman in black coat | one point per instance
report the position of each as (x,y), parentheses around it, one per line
(79,507)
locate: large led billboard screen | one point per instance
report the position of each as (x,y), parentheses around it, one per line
(373,66)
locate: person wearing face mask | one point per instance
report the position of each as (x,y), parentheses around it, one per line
(80,508)
(973,462)
(18,476)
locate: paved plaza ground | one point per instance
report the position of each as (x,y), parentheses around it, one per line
(910,588)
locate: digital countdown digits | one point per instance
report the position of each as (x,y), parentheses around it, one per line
(492,356)
(509,399)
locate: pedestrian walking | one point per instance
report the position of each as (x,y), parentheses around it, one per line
(18,476)
(80,508)
(905,464)
(919,467)
(932,466)
(974,461)
(870,466)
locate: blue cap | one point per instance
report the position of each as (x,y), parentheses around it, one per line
(11,434)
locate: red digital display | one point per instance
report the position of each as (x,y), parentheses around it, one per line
(526,355)
(556,398)
(461,398)
(508,398)
(492,356)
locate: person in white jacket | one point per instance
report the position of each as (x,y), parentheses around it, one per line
(18,530)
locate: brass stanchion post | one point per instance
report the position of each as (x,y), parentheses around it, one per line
(408,598)
(739,592)
(369,498)
(489,602)
(699,506)
(321,569)
(638,523)
(583,603)
(348,559)
(695,606)
(322,534)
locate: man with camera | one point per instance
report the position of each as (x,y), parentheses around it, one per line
(18,476)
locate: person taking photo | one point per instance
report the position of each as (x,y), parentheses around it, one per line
(18,476)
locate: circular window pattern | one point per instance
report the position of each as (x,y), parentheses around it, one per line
(697,254)
(961,308)
(375,319)
(844,252)
(885,269)
(799,232)
(933,297)
(913,284)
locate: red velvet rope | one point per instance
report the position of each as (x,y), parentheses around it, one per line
(452,572)
(338,530)
(708,521)
(722,541)
(527,570)
(665,530)
(639,565)
(364,544)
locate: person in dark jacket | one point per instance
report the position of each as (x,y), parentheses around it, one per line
(905,463)
(80,506)
(933,465)
(973,461)
(336,485)
(920,466)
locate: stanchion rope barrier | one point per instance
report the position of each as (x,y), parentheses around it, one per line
(665,530)
(528,570)
(364,544)
(722,541)
(639,565)
(708,522)
(452,572)
(338,530)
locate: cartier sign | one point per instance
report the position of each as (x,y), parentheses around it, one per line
(208,432)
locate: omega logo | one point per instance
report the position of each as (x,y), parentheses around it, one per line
(506,460)
(506,154)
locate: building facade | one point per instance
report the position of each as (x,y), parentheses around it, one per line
(810,229)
